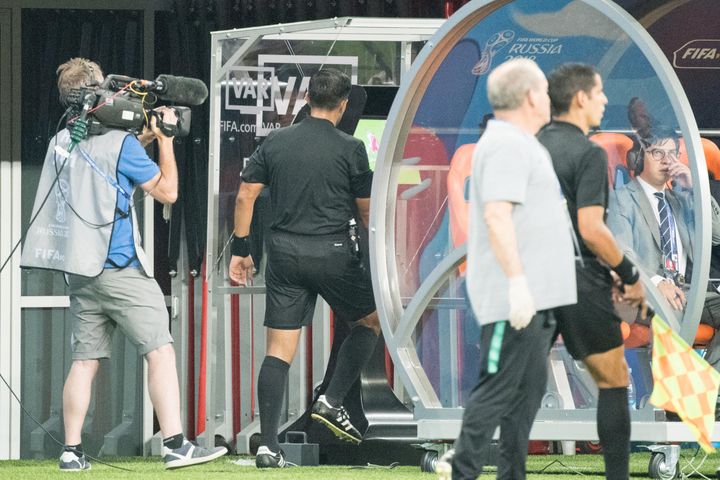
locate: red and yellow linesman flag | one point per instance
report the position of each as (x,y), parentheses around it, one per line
(684,382)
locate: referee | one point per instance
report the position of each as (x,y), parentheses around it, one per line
(591,327)
(318,177)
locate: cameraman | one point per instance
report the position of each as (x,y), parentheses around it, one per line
(86,227)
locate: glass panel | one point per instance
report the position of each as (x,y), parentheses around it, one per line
(264,90)
(447,340)
(433,168)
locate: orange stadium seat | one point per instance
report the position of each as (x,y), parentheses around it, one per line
(636,335)
(424,212)
(712,156)
(458,185)
(616,145)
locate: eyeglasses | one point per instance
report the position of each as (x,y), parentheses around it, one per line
(660,154)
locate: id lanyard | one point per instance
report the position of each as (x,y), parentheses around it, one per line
(113,183)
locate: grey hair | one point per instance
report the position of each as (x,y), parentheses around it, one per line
(509,83)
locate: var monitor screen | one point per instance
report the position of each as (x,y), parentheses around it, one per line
(370,131)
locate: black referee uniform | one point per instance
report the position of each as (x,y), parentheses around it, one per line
(314,172)
(592,324)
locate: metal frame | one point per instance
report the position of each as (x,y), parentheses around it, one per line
(398,323)
(10,170)
(403,31)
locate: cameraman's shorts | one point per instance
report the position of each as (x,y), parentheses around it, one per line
(591,325)
(118,297)
(300,267)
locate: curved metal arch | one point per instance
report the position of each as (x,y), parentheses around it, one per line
(397,323)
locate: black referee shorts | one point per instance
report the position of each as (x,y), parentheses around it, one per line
(301,267)
(591,325)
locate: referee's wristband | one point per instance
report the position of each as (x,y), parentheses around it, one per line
(627,272)
(240,246)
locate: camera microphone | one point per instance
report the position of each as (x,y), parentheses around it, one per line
(182,90)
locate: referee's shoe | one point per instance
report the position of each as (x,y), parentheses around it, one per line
(265,458)
(336,419)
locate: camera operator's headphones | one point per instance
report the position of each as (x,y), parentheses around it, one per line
(76,95)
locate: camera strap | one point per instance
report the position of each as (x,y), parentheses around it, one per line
(113,183)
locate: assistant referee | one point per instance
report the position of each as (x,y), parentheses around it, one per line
(591,327)
(318,177)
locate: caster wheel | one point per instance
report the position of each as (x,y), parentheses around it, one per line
(659,470)
(428,461)
(589,447)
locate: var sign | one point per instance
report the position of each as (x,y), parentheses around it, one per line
(277,86)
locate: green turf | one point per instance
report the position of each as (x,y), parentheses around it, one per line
(555,467)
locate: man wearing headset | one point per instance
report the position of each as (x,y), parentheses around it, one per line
(653,217)
(85,226)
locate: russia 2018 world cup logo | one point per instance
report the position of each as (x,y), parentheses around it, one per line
(61,190)
(494,44)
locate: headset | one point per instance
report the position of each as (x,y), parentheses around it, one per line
(90,84)
(635,157)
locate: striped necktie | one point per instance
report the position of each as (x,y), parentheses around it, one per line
(667,234)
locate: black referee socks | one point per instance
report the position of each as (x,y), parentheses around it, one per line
(613,426)
(352,357)
(271,393)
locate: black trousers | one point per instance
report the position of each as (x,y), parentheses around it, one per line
(711,316)
(508,395)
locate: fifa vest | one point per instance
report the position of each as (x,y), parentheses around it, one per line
(75,214)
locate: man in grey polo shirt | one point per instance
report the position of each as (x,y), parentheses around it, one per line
(520,266)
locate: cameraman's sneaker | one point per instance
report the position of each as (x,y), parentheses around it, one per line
(443,467)
(267,459)
(336,419)
(71,462)
(189,454)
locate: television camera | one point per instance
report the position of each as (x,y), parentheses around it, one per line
(126,103)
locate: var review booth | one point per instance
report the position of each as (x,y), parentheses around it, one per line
(426,106)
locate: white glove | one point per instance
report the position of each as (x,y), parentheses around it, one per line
(522,305)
